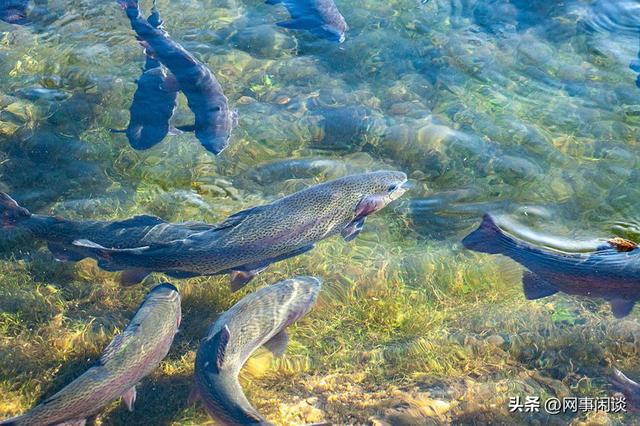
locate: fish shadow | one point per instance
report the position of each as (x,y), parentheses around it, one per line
(160,401)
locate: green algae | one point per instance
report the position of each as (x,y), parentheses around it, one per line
(409,329)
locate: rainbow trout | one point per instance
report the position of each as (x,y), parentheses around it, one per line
(213,118)
(154,101)
(320,17)
(261,318)
(611,271)
(249,241)
(131,356)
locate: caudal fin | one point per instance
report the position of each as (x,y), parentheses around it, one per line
(10,212)
(488,238)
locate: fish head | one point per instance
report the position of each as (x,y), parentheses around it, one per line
(333,33)
(214,129)
(304,292)
(167,294)
(371,192)
(144,137)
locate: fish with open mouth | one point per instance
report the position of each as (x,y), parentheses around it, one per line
(261,318)
(131,356)
(214,120)
(611,271)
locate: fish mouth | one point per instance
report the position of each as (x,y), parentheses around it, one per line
(165,291)
(216,145)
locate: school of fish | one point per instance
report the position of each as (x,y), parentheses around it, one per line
(248,242)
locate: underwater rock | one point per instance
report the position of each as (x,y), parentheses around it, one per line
(264,41)
(345,128)
(514,169)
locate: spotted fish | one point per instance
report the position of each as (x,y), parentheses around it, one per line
(259,319)
(213,118)
(320,17)
(611,271)
(249,241)
(131,356)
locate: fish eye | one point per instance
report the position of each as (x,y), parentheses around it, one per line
(392,188)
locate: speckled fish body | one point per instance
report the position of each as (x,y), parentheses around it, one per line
(261,318)
(320,17)
(213,118)
(131,356)
(248,241)
(612,271)
(14,11)
(154,101)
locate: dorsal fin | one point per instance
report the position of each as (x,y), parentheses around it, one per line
(622,244)
(223,341)
(237,218)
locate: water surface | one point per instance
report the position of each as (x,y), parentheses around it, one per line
(527,109)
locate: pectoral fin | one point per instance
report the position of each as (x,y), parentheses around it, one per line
(277,345)
(535,287)
(129,398)
(241,275)
(621,307)
(131,277)
(353,229)
(241,278)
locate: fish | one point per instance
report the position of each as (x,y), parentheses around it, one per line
(610,271)
(259,319)
(630,390)
(131,356)
(321,17)
(154,101)
(14,11)
(247,242)
(214,120)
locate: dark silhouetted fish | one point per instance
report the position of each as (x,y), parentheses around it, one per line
(14,11)
(249,241)
(261,318)
(320,17)
(154,101)
(213,118)
(611,271)
(131,356)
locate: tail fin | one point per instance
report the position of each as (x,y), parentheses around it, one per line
(487,238)
(10,212)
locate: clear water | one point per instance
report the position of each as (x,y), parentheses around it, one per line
(528,109)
